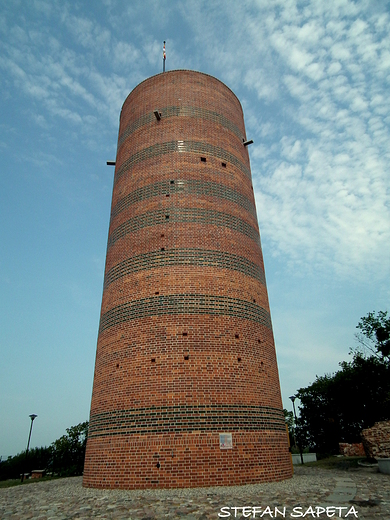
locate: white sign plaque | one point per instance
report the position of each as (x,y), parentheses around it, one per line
(225,441)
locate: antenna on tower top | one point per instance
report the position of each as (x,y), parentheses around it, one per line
(164,56)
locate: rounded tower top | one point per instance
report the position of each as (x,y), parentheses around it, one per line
(184,88)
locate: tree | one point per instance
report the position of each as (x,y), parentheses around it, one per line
(69,451)
(65,456)
(375,334)
(38,458)
(336,407)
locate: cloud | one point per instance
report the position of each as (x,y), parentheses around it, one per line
(313,81)
(66,84)
(87,32)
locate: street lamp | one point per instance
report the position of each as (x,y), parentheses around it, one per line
(293,397)
(32,417)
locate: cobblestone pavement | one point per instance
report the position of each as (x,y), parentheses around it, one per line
(367,492)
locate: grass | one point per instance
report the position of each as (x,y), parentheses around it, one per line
(16,482)
(338,463)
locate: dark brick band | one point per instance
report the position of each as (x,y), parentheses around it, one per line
(199,304)
(184,187)
(187,111)
(181,146)
(187,418)
(178,215)
(187,257)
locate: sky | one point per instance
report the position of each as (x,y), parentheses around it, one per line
(313,79)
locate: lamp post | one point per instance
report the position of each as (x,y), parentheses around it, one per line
(32,417)
(293,397)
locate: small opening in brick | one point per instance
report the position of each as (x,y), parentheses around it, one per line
(153,360)
(223,165)
(239,359)
(158,465)
(254,301)
(172,182)
(163,249)
(157,292)
(117,365)
(186,358)
(203,159)
(185,333)
(236,336)
(162,235)
(259,341)
(167,217)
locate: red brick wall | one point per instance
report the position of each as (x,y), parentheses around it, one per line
(351,450)
(185,348)
(376,440)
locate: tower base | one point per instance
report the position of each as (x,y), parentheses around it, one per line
(186,460)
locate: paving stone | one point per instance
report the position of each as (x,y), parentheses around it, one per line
(66,499)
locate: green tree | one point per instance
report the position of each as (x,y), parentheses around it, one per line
(336,407)
(65,456)
(69,451)
(374,337)
(38,458)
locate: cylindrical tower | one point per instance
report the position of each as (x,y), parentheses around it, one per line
(186,389)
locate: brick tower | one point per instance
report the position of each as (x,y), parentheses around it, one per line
(186,388)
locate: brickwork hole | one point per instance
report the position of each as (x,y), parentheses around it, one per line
(153,360)
(236,336)
(186,358)
(203,159)
(223,165)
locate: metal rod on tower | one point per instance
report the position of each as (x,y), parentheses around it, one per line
(164,57)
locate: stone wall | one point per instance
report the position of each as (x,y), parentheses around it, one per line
(376,440)
(352,450)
